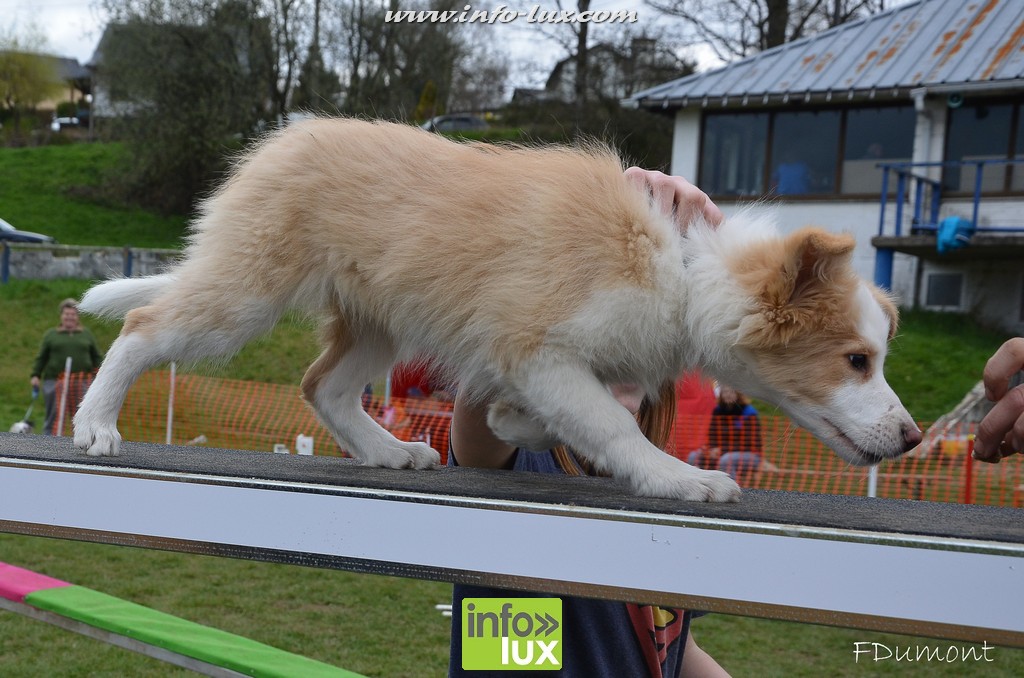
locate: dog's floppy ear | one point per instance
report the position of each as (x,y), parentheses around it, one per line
(796,284)
(813,257)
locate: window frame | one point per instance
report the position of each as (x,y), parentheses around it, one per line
(929,276)
(1007,190)
(766,170)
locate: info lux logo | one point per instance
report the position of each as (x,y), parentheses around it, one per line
(501,634)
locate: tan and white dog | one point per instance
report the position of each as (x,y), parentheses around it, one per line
(536,276)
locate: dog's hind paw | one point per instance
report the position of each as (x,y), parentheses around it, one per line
(402,455)
(97,441)
(682,481)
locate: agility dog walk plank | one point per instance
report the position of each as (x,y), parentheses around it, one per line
(932,569)
(150,632)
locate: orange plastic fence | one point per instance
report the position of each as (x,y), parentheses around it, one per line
(256,416)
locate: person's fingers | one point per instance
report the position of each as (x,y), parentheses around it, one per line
(1001,432)
(664,196)
(676,196)
(1005,363)
(692,203)
(711,211)
(639,177)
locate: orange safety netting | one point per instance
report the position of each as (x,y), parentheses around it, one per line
(247,415)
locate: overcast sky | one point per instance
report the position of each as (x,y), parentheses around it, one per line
(73,29)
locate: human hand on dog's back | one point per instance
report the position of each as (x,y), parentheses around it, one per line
(676,196)
(1001,432)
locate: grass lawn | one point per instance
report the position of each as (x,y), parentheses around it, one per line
(52,190)
(379,626)
(375,625)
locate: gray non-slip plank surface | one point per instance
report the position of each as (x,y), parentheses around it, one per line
(927,519)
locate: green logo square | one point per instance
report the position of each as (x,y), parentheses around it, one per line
(511,634)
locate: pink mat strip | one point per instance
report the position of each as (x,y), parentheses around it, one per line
(16,583)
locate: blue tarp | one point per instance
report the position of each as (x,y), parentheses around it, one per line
(954,233)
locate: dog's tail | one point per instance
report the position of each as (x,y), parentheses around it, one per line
(114,298)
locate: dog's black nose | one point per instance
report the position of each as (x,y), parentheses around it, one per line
(911,438)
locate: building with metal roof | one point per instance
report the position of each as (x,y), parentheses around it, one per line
(887,128)
(939,45)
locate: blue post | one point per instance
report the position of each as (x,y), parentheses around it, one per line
(883,267)
(5,264)
(918,206)
(885,198)
(977,192)
(901,197)
(883,255)
(127,269)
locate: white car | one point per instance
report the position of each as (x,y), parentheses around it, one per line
(59,123)
(460,122)
(9,233)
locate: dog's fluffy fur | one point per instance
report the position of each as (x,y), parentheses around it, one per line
(536,276)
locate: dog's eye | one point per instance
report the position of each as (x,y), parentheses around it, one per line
(859,362)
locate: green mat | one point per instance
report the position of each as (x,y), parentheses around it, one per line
(178,635)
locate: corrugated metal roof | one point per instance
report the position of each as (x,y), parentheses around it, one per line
(930,43)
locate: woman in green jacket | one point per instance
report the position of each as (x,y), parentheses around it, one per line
(68,340)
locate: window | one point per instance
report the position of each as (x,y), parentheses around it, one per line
(733,153)
(805,152)
(978,132)
(874,135)
(944,290)
(805,146)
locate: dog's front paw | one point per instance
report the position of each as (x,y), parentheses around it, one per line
(97,440)
(677,480)
(401,455)
(517,428)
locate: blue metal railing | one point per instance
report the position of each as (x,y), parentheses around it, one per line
(908,179)
(928,194)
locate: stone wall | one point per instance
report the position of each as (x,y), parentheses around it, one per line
(46,262)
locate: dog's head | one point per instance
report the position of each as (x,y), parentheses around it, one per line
(814,342)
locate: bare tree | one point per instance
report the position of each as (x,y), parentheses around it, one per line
(289,20)
(575,39)
(317,87)
(481,73)
(185,80)
(582,30)
(739,28)
(387,65)
(27,77)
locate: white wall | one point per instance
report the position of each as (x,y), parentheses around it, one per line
(993,292)
(686,144)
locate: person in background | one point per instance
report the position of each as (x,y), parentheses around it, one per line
(792,176)
(734,437)
(1001,432)
(70,339)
